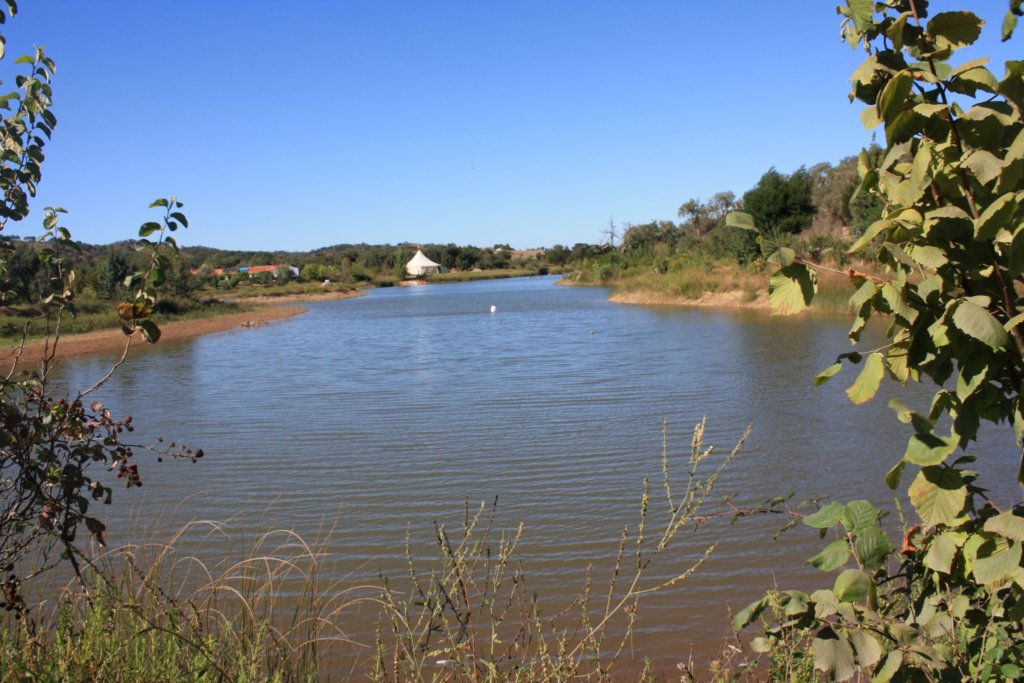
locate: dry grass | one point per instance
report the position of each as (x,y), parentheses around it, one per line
(275,609)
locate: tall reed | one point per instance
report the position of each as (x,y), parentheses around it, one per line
(471,614)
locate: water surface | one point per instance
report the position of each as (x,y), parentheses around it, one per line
(387,413)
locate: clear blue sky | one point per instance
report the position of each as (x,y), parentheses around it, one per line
(295,125)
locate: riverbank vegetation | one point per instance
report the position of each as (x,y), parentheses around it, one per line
(92,314)
(201,282)
(813,211)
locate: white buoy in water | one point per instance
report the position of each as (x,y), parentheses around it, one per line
(494,309)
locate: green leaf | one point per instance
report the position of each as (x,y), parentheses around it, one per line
(938,494)
(832,557)
(975,321)
(825,603)
(871,233)
(791,289)
(997,566)
(983,165)
(904,127)
(867,382)
(827,374)
(928,256)
(893,98)
(148,229)
(941,552)
(150,331)
(995,216)
(852,585)
(892,477)
(793,602)
(979,78)
(954,29)
(972,375)
(748,614)
(783,256)
(967,66)
(1009,25)
(834,657)
(926,449)
(826,517)
(741,220)
(159,202)
(872,547)
(1006,524)
(863,13)
(948,221)
(893,662)
(159,275)
(869,117)
(897,31)
(911,189)
(867,648)
(859,515)
(897,304)
(863,294)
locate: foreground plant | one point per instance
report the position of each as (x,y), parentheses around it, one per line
(52,444)
(948,604)
(157,612)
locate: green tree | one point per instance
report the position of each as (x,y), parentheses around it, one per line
(781,204)
(951,240)
(557,255)
(22,273)
(398,264)
(109,275)
(695,212)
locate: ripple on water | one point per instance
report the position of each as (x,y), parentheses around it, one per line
(391,412)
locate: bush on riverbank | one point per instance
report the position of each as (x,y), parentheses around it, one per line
(716,283)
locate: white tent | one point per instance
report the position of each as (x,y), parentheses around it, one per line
(420,265)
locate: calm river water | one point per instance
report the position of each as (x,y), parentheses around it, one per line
(386,413)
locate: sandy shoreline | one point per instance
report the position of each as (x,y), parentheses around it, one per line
(734,299)
(268,309)
(298,298)
(113,341)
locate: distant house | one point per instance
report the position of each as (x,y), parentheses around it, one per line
(250,270)
(420,265)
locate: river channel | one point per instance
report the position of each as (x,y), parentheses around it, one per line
(382,415)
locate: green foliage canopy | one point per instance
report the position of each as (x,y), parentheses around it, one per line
(781,204)
(950,604)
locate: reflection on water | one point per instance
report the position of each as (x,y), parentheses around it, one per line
(391,411)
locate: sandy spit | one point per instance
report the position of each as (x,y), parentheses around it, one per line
(734,299)
(113,341)
(298,298)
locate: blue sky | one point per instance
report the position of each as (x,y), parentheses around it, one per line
(305,124)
